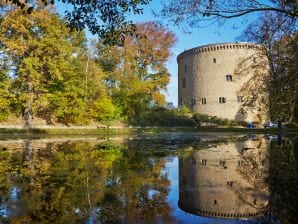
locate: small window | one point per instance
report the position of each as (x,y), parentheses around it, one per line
(184,83)
(240,99)
(204,162)
(230,183)
(214,60)
(215,201)
(204,101)
(222,162)
(185,67)
(192,102)
(222,100)
(229,78)
(181,102)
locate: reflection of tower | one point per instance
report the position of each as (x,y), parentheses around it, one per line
(212,181)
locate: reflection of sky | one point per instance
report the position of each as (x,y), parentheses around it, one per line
(180,216)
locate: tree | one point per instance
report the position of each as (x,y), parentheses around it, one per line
(278,33)
(44,68)
(106,18)
(197,13)
(138,74)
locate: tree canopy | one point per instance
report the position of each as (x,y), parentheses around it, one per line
(201,12)
(99,16)
(278,33)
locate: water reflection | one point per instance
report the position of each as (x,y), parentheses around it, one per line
(220,179)
(225,180)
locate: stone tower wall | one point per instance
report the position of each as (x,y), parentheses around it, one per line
(205,71)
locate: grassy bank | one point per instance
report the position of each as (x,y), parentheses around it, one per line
(120,131)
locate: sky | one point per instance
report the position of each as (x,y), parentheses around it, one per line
(193,38)
(199,36)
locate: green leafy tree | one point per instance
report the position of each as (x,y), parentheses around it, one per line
(46,72)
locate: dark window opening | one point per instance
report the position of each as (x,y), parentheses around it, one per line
(214,60)
(184,83)
(230,183)
(215,202)
(185,67)
(204,101)
(181,101)
(222,100)
(184,181)
(240,99)
(222,162)
(192,102)
(229,78)
(204,162)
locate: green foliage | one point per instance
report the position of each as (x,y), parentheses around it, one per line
(5,96)
(199,118)
(160,116)
(105,18)
(105,111)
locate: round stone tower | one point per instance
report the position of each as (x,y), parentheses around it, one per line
(225,80)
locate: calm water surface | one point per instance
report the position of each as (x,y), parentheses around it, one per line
(170,178)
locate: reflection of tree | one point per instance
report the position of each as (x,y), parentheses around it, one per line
(136,175)
(253,167)
(283,181)
(75,182)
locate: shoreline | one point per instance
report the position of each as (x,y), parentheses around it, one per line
(39,132)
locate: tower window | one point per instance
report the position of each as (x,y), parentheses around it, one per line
(181,102)
(204,162)
(230,183)
(240,99)
(204,101)
(184,83)
(193,102)
(229,78)
(214,60)
(222,100)
(185,67)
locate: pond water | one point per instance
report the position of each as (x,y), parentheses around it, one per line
(167,178)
